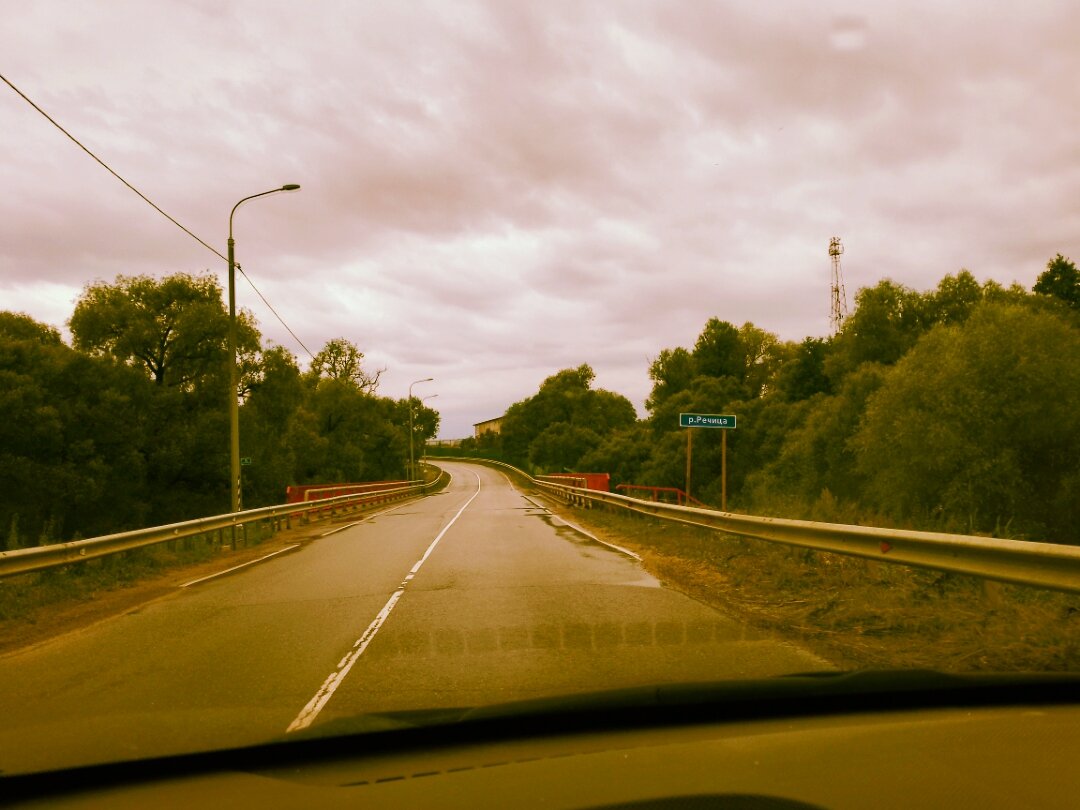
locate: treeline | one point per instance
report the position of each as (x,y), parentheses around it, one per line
(128,426)
(955,409)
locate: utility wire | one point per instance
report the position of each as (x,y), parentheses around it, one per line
(151,203)
(268,306)
(108,168)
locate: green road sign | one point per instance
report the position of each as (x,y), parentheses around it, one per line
(245,461)
(707,420)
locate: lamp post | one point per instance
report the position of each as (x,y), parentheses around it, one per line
(412,465)
(234,406)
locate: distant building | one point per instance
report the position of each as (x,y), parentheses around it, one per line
(443,442)
(490,426)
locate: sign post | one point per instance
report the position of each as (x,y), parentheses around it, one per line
(724,422)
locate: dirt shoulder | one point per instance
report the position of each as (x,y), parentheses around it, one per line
(853,612)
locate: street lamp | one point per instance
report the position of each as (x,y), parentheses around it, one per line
(234,406)
(412,465)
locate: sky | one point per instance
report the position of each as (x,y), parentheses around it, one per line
(494,191)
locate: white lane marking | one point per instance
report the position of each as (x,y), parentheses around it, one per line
(580,530)
(374,515)
(242,565)
(326,691)
(592,536)
(365,519)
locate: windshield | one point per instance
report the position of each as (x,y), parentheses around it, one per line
(515,304)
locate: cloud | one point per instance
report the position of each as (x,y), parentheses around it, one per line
(493,191)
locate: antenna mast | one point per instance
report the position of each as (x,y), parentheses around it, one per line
(839,296)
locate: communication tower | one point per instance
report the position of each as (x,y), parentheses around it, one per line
(839,296)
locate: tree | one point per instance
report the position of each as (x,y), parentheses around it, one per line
(72,440)
(815,454)
(955,298)
(176,328)
(979,426)
(803,374)
(763,355)
(704,395)
(341,360)
(559,446)
(1060,280)
(622,453)
(719,351)
(671,372)
(565,399)
(887,320)
(277,393)
(18,326)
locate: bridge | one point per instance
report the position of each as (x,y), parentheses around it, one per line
(477,593)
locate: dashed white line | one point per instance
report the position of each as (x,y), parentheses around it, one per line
(326,691)
(374,515)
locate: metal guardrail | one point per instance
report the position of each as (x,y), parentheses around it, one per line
(680,496)
(27,560)
(1020,562)
(572,481)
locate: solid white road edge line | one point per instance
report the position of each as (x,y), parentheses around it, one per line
(242,565)
(578,529)
(326,691)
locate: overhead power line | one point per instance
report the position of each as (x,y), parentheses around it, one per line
(153,205)
(271,308)
(107,168)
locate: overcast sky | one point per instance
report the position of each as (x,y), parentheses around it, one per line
(493,191)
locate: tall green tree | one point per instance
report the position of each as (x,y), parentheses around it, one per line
(277,393)
(954,299)
(175,328)
(803,374)
(980,423)
(572,417)
(341,360)
(1061,280)
(20,326)
(720,351)
(72,439)
(672,371)
(887,320)
(764,354)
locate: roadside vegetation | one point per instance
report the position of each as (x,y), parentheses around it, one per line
(956,409)
(39,605)
(127,426)
(856,613)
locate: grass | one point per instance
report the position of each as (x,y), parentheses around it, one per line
(855,612)
(23,597)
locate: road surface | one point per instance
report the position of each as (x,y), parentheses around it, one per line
(473,596)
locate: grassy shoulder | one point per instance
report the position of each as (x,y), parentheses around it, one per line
(38,606)
(857,613)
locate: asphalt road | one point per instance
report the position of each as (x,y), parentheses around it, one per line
(473,596)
